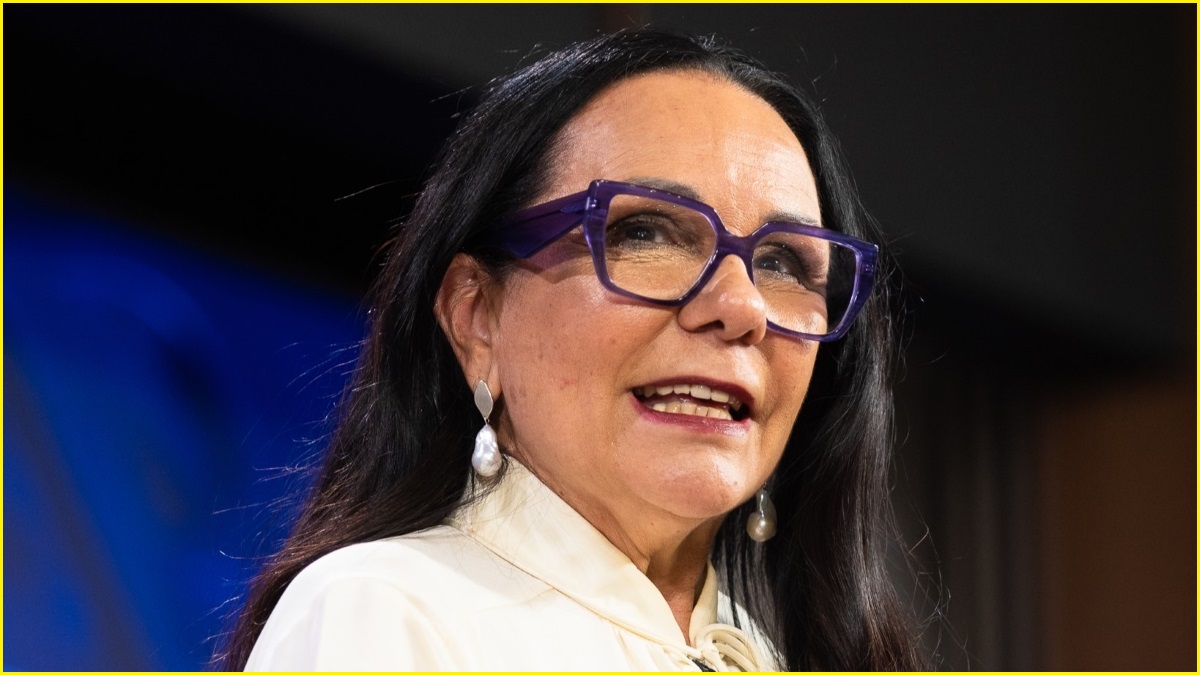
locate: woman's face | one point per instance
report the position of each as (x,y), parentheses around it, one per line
(573,360)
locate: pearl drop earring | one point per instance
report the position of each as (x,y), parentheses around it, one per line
(487,458)
(761,524)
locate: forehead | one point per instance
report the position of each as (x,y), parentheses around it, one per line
(728,146)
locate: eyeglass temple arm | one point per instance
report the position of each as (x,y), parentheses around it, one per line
(531,230)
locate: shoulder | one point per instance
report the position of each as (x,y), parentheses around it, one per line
(429,562)
(390,561)
(394,603)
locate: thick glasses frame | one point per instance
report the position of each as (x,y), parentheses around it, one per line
(532,229)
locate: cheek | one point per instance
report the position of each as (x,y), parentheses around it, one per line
(798,384)
(793,369)
(547,335)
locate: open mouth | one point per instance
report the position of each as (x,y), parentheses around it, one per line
(699,400)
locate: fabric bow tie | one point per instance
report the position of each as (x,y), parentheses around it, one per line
(726,648)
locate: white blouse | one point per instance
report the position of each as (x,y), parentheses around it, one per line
(516,581)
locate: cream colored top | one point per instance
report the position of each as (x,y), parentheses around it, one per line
(516,581)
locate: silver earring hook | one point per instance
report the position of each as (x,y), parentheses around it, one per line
(483,400)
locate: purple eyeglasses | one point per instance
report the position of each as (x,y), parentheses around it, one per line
(662,248)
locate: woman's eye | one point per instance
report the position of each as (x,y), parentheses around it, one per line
(781,264)
(642,231)
(777,264)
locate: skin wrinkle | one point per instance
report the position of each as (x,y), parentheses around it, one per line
(657,491)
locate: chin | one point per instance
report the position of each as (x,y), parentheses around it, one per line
(704,491)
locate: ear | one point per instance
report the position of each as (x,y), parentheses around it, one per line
(466,308)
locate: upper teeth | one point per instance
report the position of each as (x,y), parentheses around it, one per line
(699,391)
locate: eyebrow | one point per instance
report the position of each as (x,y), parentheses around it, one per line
(684,190)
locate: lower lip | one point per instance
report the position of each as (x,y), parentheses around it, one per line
(695,423)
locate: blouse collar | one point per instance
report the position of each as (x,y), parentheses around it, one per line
(523,521)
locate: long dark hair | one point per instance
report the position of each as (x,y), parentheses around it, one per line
(399,461)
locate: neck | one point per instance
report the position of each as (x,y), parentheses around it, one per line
(673,553)
(675,562)
(679,573)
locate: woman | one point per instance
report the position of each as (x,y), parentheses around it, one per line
(575,438)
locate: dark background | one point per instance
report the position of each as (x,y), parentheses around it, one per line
(194,198)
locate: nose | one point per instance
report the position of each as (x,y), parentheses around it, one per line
(728,304)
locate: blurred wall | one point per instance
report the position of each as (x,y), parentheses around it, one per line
(1118,485)
(153,396)
(194,196)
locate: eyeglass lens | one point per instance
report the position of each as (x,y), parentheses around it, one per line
(659,250)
